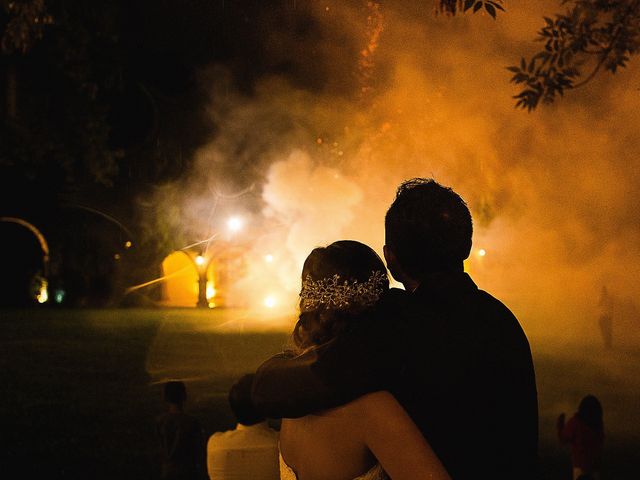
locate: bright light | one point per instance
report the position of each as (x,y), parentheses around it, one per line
(200,260)
(268,258)
(270,301)
(128,244)
(43,294)
(234,224)
(482,252)
(211,291)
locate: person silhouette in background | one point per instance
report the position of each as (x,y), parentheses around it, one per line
(181,437)
(584,432)
(250,451)
(605,320)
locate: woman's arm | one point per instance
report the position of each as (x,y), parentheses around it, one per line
(566,431)
(395,441)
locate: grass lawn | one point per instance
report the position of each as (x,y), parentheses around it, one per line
(81,389)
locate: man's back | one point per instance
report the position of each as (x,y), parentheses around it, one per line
(182,446)
(467,379)
(248,452)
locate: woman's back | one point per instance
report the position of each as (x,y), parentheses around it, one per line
(347,443)
(327,445)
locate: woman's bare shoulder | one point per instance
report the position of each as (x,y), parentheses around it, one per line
(374,399)
(370,405)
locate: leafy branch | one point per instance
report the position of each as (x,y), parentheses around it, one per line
(454,6)
(592,35)
(27,20)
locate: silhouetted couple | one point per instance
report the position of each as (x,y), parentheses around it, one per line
(434,381)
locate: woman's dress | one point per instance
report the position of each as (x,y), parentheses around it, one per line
(375,473)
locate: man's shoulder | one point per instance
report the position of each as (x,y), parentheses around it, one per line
(242,437)
(495,306)
(182,419)
(394,302)
(395,296)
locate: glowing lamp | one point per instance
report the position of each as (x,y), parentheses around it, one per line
(234,224)
(43,293)
(128,244)
(270,301)
(482,252)
(200,260)
(268,258)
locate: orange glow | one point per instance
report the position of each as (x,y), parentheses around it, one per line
(43,293)
(180,289)
(211,290)
(366,64)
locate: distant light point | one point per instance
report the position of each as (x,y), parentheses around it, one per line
(235,224)
(270,301)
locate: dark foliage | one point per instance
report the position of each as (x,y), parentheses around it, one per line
(454,6)
(593,35)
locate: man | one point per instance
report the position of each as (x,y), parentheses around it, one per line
(605,320)
(454,356)
(180,437)
(250,451)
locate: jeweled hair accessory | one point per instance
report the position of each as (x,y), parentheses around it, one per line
(335,293)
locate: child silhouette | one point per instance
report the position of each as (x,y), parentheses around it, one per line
(584,432)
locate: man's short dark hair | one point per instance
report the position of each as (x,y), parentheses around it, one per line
(175,392)
(428,227)
(241,404)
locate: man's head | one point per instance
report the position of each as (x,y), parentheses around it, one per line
(428,228)
(241,404)
(175,393)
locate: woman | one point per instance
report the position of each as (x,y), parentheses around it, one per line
(585,433)
(341,285)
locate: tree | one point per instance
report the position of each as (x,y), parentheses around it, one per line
(592,36)
(453,6)
(57,72)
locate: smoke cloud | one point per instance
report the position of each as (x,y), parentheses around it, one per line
(554,194)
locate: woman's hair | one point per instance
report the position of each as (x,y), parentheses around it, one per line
(340,284)
(590,412)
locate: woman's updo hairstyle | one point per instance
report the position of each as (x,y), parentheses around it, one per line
(345,262)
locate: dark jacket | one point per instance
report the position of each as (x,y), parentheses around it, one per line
(454,357)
